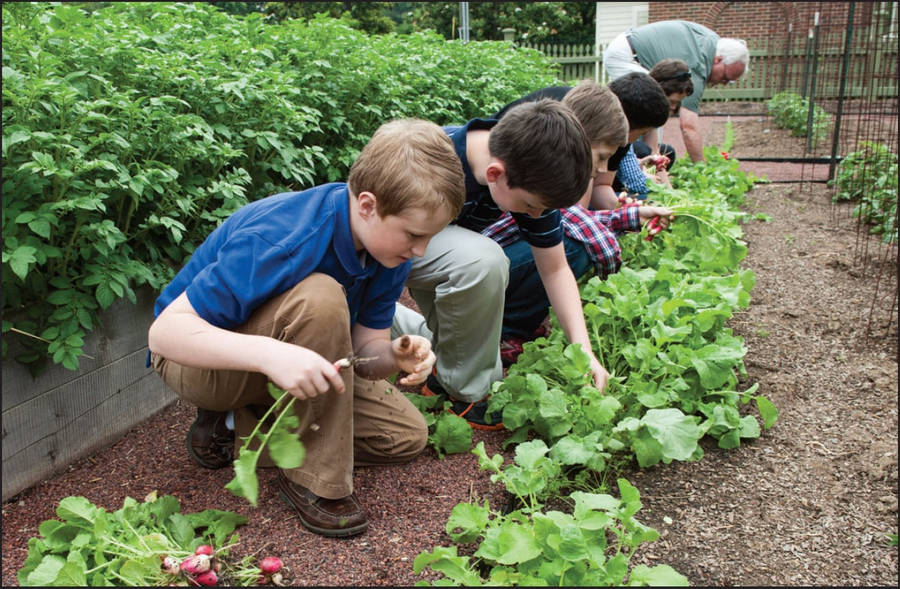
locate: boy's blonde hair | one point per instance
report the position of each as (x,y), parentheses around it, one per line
(409,163)
(600,113)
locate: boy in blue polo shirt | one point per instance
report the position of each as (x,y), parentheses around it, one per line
(532,163)
(290,284)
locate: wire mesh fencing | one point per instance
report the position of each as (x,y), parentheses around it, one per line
(844,66)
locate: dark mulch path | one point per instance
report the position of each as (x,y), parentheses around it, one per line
(808,503)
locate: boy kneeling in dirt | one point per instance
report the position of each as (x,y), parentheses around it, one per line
(290,284)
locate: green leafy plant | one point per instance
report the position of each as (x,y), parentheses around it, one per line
(589,546)
(791,111)
(281,441)
(131,131)
(447,433)
(659,327)
(88,546)
(868,176)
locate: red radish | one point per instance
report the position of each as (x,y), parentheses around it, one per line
(207,579)
(170,565)
(204,549)
(270,565)
(196,564)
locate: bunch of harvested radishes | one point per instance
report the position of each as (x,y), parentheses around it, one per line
(203,568)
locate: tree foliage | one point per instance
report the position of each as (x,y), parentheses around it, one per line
(564,22)
(372,17)
(536,22)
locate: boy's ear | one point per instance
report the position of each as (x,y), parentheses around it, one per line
(366,204)
(494,170)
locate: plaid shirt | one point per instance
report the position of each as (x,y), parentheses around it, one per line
(596,230)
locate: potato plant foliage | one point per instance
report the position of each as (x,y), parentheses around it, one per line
(129,133)
(791,111)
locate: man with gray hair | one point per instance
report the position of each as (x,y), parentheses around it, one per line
(712,60)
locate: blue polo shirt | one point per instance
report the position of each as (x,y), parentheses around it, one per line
(479,211)
(269,245)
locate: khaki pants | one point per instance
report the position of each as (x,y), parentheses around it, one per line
(371,423)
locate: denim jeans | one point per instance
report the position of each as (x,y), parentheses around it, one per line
(526,303)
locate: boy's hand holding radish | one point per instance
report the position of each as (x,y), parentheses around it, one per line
(413,355)
(648,212)
(379,358)
(655,218)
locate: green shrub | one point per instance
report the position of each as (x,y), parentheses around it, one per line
(868,176)
(131,131)
(791,112)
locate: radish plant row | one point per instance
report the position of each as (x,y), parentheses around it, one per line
(659,327)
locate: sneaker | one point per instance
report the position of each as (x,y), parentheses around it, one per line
(209,441)
(475,413)
(510,349)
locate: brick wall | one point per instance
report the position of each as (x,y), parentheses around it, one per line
(753,20)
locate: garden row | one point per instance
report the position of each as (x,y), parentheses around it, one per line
(131,132)
(658,325)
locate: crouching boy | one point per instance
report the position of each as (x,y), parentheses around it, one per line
(292,283)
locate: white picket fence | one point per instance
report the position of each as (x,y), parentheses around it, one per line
(577,60)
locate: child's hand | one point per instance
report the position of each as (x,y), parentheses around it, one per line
(413,355)
(656,219)
(662,177)
(648,212)
(302,372)
(626,198)
(656,160)
(601,376)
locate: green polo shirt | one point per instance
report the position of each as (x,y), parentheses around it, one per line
(677,39)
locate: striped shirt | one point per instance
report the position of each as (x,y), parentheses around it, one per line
(596,230)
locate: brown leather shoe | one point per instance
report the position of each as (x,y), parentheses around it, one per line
(210,443)
(328,517)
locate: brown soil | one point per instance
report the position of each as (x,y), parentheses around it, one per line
(808,503)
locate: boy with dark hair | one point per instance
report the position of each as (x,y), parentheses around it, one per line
(674,77)
(291,284)
(646,108)
(532,162)
(590,237)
